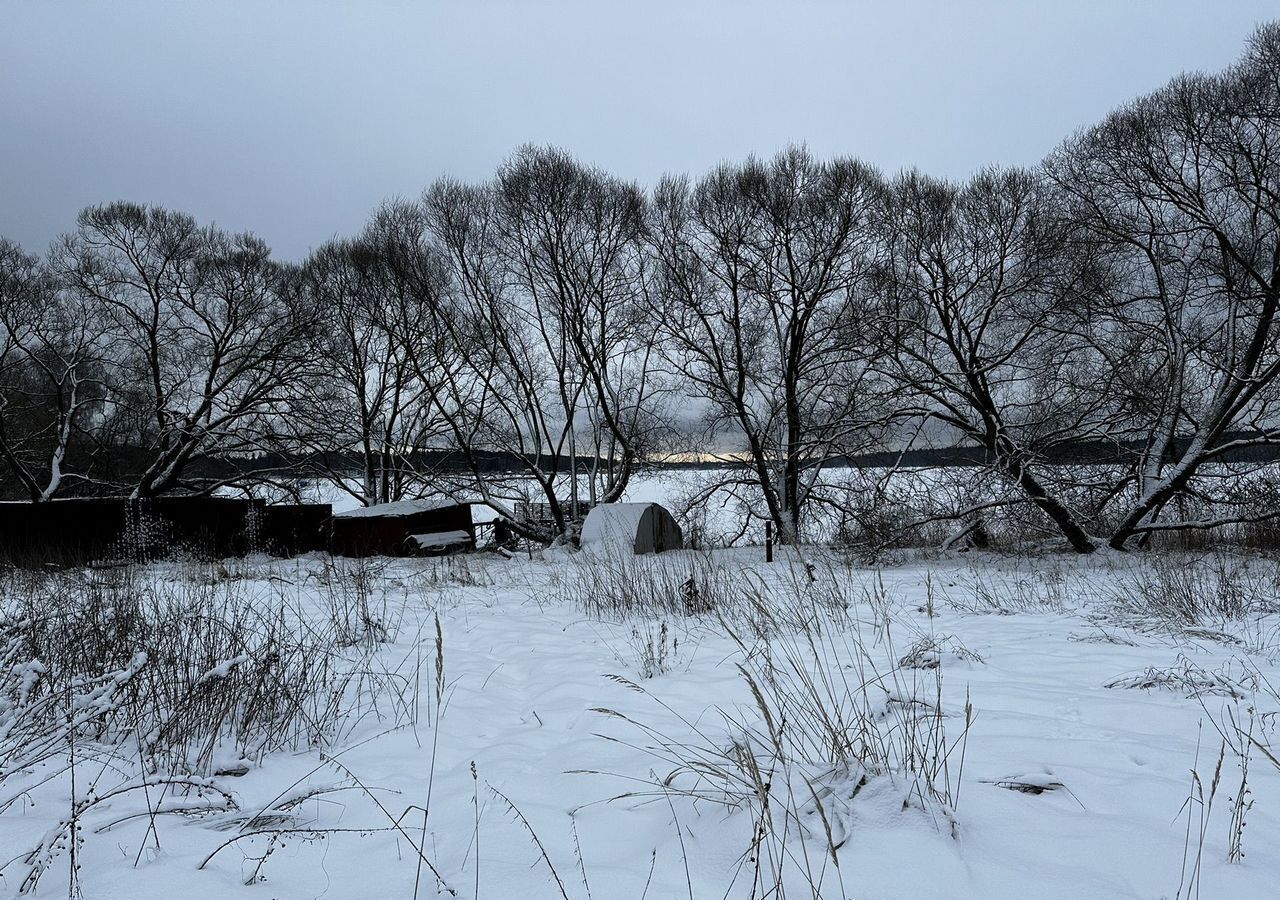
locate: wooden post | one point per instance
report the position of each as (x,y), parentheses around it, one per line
(768,542)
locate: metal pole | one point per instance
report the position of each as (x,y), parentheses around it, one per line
(573,468)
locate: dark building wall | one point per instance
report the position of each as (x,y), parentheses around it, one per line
(86,530)
(215,526)
(62,531)
(295,529)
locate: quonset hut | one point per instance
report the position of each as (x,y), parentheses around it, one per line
(635,527)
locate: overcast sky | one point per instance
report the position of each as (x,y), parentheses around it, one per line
(294,119)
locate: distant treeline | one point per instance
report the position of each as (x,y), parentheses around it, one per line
(1117,303)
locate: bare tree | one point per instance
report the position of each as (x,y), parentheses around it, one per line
(554,355)
(763,269)
(372,404)
(207,337)
(1183,189)
(51,374)
(978,327)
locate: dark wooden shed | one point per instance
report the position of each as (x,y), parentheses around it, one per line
(404,528)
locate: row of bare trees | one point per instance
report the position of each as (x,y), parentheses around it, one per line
(141,330)
(778,315)
(1125,294)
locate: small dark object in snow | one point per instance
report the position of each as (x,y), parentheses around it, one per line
(1023,787)
(1034,783)
(694,603)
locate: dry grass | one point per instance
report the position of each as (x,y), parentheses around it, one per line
(1208,591)
(1186,678)
(623,586)
(1039,590)
(143,686)
(835,727)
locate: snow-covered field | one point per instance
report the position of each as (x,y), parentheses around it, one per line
(689,725)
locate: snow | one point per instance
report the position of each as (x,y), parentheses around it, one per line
(396,509)
(223,669)
(440,539)
(1069,787)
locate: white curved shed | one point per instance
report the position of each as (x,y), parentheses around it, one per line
(638,527)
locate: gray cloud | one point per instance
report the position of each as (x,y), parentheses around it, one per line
(293,119)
